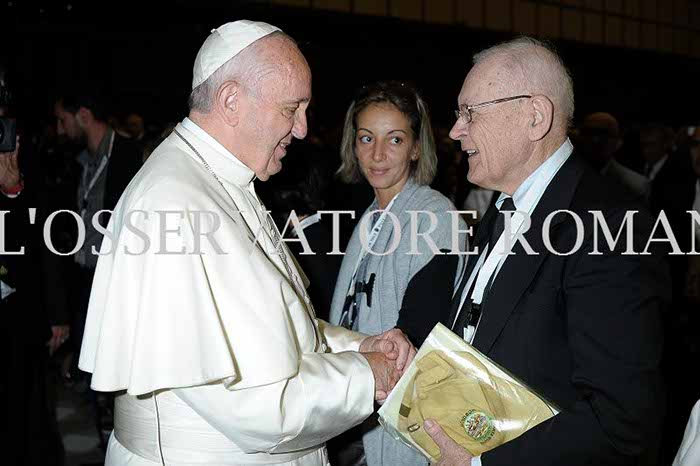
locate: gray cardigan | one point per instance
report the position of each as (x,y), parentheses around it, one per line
(393,272)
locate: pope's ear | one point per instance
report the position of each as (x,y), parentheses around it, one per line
(227,102)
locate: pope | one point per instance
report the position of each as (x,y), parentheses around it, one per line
(198,316)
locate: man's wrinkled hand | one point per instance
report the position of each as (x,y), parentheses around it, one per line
(394,344)
(451,454)
(385,374)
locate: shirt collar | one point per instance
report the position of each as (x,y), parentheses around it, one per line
(103,148)
(225,164)
(84,158)
(530,191)
(657,166)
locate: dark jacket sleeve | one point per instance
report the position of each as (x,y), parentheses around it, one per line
(613,305)
(428,298)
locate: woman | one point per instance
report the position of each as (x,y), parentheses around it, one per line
(391,276)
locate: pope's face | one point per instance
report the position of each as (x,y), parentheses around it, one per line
(275,115)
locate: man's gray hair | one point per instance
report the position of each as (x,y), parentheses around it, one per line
(246,68)
(536,69)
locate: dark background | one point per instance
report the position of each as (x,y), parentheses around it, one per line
(143,53)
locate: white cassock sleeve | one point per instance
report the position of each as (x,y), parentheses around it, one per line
(340,339)
(293,414)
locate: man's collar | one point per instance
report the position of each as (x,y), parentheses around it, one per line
(85,157)
(548,168)
(225,164)
(657,166)
(103,148)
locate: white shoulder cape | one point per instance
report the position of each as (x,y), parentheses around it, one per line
(158,320)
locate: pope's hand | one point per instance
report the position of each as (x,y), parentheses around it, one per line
(395,346)
(385,374)
(451,454)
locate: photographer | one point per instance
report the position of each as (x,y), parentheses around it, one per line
(28,334)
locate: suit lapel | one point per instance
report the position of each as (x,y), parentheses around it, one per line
(519,269)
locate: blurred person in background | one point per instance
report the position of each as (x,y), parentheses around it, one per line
(108,161)
(32,328)
(599,141)
(655,146)
(678,196)
(693,280)
(135,126)
(388,142)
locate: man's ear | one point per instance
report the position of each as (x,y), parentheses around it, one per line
(83,116)
(541,116)
(227,102)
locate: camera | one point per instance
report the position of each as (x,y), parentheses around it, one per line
(8,126)
(8,133)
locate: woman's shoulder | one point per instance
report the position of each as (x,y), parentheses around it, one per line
(426,198)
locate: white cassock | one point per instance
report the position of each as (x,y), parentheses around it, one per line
(217,358)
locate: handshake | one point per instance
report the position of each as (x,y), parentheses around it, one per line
(388,354)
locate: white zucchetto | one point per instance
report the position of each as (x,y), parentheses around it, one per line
(224,43)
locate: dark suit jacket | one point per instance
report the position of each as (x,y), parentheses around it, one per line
(673,191)
(583,330)
(125,161)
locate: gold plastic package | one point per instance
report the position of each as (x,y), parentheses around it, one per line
(476,402)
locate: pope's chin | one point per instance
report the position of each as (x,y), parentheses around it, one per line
(274,165)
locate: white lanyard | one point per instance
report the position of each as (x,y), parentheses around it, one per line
(371,239)
(488,265)
(103,164)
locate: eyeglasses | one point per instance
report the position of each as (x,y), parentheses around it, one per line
(465,111)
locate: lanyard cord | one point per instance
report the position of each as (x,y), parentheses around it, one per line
(371,239)
(98,172)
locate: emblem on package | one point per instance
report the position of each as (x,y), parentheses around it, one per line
(478,425)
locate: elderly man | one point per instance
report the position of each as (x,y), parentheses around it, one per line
(582,330)
(198,313)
